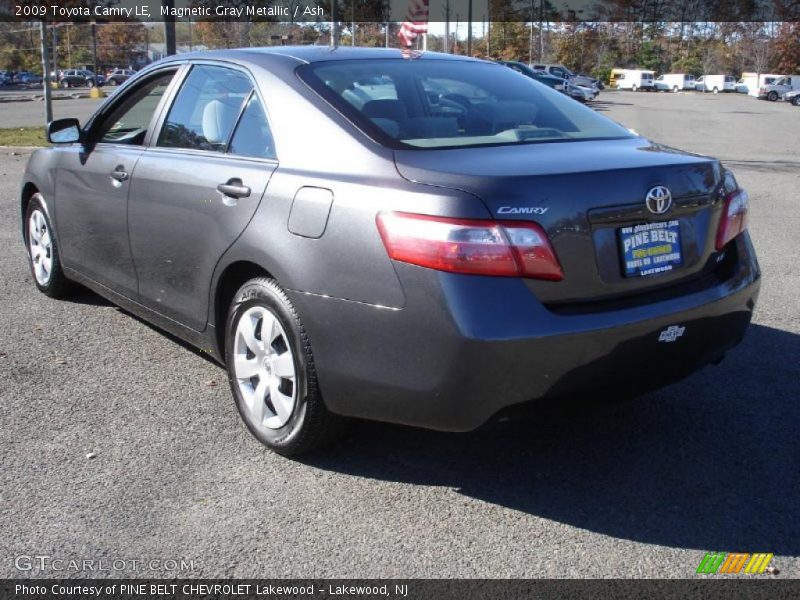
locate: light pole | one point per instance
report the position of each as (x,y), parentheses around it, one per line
(94,51)
(469,28)
(48,104)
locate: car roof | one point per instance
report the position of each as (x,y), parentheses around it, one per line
(310,54)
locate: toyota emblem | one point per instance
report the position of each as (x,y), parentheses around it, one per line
(658,200)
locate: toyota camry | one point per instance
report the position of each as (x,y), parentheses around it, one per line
(416,238)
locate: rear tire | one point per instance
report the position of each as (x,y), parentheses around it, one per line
(43,257)
(634,88)
(674,89)
(715,90)
(271,372)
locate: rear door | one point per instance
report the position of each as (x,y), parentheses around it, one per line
(196,188)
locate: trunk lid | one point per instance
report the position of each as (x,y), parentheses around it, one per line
(583,193)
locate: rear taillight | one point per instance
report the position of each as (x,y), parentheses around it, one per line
(478,247)
(734,217)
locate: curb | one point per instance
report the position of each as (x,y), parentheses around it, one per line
(18,150)
(40,97)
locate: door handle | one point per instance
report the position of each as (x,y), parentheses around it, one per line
(119,174)
(234,188)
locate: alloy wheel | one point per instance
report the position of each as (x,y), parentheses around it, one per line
(264,367)
(40,245)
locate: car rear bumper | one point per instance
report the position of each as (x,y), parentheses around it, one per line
(465,347)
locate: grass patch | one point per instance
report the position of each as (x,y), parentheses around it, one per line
(22,136)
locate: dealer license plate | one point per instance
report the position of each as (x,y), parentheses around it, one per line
(650,248)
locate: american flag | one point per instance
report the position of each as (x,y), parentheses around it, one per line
(416,22)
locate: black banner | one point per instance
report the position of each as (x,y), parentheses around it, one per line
(394,589)
(305,11)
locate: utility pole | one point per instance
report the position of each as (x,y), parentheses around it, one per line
(333,24)
(469,27)
(447,26)
(94,52)
(55,48)
(488,28)
(69,49)
(48,100)
(169,27)
(530,38)
(541,31)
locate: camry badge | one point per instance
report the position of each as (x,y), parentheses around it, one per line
(658,200)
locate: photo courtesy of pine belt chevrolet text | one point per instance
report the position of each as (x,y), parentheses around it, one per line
(417,238)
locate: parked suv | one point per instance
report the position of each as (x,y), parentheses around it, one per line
(73,78)
(774,91)
(118,76)
(76,78)
(557,83)
(27,78)
(565,73)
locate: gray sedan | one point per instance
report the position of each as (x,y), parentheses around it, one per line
(423,239)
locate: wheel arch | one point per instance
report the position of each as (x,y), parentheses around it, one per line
(28,191)
(232,277)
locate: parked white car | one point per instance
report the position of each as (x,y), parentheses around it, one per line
(675,82)
(793,97)
(635,80)
(715,83)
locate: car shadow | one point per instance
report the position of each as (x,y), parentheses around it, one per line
(83,295)
(709,463)
(605,105)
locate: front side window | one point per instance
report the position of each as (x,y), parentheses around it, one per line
(205,109)
(128,121)
(432,103)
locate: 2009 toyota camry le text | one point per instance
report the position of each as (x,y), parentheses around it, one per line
(426,239)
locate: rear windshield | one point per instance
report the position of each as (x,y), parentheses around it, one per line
(428,103)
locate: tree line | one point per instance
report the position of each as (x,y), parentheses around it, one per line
(586,47)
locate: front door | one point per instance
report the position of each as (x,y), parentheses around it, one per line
(196,188)
(92,185)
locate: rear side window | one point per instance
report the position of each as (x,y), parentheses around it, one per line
(433,103)
(252,136)
(206,108)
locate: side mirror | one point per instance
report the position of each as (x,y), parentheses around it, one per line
(63,131)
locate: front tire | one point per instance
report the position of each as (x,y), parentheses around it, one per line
(674,89)
(634,88)
(43,256)
(772,96)
(271,372)
(796,100)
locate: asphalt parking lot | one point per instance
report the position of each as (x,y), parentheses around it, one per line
(639,489)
